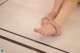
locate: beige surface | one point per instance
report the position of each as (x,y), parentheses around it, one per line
(22,16)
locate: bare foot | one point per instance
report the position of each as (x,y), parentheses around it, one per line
(46,30)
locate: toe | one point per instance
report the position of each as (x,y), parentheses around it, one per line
(37,29)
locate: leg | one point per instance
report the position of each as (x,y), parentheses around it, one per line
(66,9)
(54,11)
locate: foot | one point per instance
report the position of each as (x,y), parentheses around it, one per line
(50,29)
(46,30)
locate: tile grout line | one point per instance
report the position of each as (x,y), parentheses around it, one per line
(21,44)
(33,40)
(3,2)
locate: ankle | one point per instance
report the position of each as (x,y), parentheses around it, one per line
(52,15)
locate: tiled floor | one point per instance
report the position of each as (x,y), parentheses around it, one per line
(22,16)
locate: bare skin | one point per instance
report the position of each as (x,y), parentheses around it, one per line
(52,15)
(61,7)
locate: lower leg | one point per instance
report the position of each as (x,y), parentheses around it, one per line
(52,15)
(66,10)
